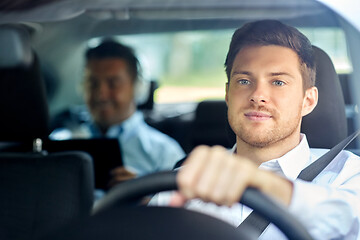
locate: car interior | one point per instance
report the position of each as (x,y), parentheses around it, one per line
(41,71)
(41,191)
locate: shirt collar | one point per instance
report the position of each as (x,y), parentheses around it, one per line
(123,128)
(294,161)
(114,131)
(291,164)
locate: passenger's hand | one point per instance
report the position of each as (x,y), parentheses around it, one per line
(213,174)
(120,174)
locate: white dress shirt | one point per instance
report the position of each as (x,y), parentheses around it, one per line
(329,206)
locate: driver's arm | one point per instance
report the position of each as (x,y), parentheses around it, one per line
(328,207)
(209,173)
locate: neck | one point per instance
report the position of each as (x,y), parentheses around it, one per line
(272,151)
(103,129)
(104,126)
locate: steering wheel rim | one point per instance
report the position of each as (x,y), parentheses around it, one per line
(135,189)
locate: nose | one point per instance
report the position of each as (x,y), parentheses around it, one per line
(260,94)
(102,90)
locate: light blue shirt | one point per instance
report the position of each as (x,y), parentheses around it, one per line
(144,149)
(329,206)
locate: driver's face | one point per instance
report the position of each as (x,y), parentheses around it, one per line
(265,95)
(109,91)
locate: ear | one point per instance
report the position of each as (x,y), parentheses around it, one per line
(310,101)
(226,93)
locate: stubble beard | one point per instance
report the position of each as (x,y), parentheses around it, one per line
(265,137)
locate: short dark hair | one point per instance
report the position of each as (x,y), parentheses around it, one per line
(110,48)
(273,32)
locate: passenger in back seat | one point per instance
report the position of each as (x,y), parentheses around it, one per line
(111,74)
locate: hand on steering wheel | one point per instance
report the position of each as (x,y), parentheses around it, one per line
(133,190)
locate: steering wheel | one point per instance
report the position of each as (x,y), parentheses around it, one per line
(113,216)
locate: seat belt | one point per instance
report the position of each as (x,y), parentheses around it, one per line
(258,223)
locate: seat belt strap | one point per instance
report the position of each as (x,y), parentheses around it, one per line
(258,223)
(311,171)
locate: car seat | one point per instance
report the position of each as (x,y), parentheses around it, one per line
(211,126)
(326,125)
(24,110)
(40,192)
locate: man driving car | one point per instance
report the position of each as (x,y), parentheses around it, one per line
(270,69)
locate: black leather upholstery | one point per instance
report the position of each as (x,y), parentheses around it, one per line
(324,127)
(40,193)
(23,104)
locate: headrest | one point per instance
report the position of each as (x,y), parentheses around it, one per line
(211,126)
(211,111)
(23,103)
(326,125)
(15,47)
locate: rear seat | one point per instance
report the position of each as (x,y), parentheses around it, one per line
(210,126)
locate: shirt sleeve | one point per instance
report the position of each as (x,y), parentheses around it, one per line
(329,206)
(160,199)
(170,153)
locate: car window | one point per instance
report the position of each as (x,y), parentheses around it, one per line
(189,65)
(332,41)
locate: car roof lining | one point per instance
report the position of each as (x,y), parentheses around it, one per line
(136,26)
(162,9)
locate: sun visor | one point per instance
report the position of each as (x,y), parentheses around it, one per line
(15,45)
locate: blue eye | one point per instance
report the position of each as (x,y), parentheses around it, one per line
(243,82)
(278,83)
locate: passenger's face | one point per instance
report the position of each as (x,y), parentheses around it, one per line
(109,91)
(265,95)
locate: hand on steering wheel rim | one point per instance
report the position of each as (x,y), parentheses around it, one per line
(164,181)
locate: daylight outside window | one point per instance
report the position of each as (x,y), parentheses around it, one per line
(189,65)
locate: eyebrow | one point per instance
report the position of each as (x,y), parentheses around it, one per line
(281,74)
(273,74)
(241,73)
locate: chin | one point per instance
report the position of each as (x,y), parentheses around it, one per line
(103,119)
(258,138)
(258,143)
